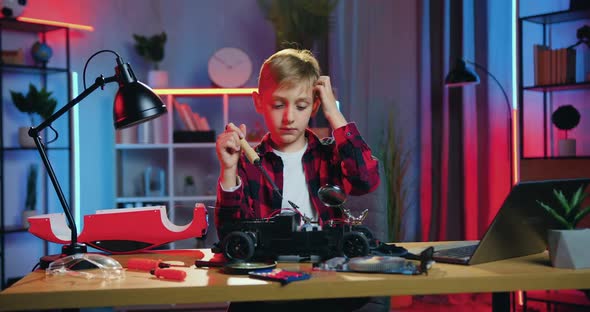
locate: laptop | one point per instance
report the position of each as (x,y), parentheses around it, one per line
(520,226)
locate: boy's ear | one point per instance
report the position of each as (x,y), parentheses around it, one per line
(316,105)
(257,98)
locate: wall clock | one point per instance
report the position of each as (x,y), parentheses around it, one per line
(229,68)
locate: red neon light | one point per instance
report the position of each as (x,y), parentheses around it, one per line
(515,164)
(54,23)
(205,91)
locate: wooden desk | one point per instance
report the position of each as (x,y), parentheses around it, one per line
(208,285)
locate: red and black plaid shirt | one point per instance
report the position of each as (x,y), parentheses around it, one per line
(345,161)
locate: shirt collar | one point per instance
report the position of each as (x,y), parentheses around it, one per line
(265,147)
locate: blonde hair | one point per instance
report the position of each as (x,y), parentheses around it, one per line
(288,66)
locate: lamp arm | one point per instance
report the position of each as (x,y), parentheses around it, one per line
(510,130)
(100,82)
(34,133)
(497,82)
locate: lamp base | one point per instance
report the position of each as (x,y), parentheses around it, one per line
(67,250)
(46,260)
(73,249)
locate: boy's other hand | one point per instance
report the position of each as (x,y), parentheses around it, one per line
(323,89)
(228,152)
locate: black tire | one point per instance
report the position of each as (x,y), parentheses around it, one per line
(238,246)
(354,244)
(365,230)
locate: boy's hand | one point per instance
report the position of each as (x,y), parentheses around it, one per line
(323,89)
(228,152)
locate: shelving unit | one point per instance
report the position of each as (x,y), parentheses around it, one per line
(539,158)
(14,158)
(178,160)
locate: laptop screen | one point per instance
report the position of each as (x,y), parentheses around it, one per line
(520,226)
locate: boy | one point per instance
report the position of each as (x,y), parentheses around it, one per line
(290,91)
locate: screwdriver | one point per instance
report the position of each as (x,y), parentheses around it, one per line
(144,264)
(171,274)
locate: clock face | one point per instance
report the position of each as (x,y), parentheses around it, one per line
(230,68)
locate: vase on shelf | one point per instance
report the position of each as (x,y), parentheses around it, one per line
(157,79)
(566,147)
(154,131)
(24,139)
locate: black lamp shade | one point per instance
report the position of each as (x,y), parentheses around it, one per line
(461,76)
(135,103)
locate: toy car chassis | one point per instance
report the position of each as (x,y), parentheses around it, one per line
(268,238)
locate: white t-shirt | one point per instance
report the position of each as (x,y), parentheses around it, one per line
(294,184)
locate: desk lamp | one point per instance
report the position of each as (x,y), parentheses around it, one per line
(462,76)
(134,103)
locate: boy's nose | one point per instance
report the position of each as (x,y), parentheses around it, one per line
(288,117)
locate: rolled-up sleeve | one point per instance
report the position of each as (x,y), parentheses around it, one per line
(360,169)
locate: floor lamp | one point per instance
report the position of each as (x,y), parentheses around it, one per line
(134,103)
(462,76)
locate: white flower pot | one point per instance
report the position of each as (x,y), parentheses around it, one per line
(569,248)
(567,147)
(24,139)
(157,79)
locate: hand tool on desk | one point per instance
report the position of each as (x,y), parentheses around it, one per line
(170,274)
(209,264)
(145,264)
(217,261)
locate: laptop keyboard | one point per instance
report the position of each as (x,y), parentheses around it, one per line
(457,252)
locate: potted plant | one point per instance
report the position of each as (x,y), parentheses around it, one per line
(152,50)
(31,199)
(566,117)
(395,161)
(568,246)
(35,103)
(298,22)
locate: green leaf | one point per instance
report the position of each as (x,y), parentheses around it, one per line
(562,201)
(580,216)
(556,215)
(37,101)
(151,48)
(576,201)
(21,102)
(298,23)
(577,198)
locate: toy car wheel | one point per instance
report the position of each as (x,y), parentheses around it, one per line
(354,244)
(238,246)
(365,230)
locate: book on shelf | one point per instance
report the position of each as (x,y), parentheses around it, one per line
(201,122)
(192,121)
(186,117)
(554,66)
